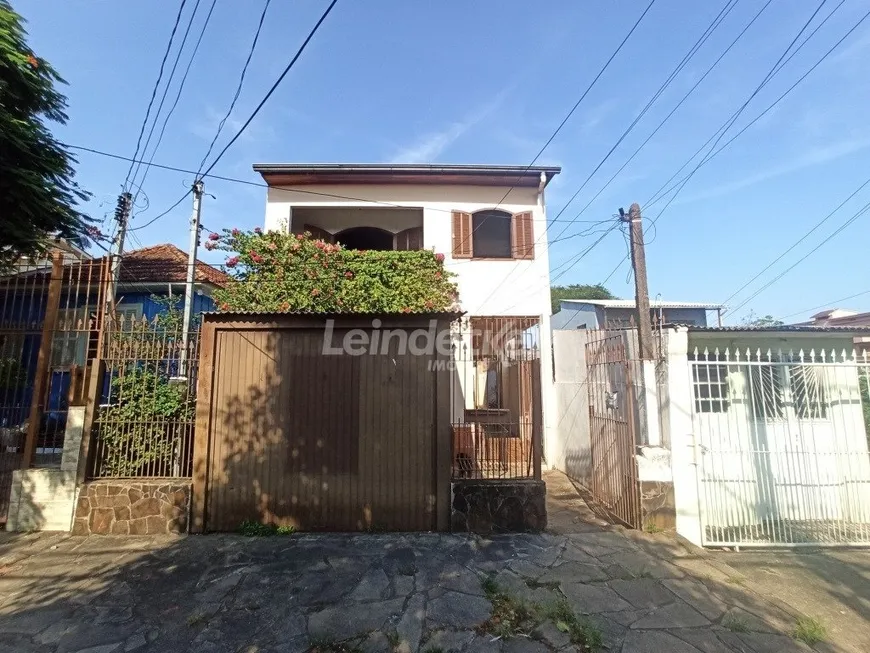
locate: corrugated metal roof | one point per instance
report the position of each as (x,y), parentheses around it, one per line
(785,328)
(630,303)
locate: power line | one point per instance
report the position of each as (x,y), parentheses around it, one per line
(238,87)
(827,239)
(833,302)
(571,112)
(274,86)
(659,195)
(180,89)
(166,212)
(674,110)
(730,122)
(275,189)
(726,9)
(797,242)
(154,91)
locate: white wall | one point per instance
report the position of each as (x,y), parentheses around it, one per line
(506,287)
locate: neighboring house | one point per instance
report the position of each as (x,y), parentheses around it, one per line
(145,276)
(619,313)
(839,317)
(490,224)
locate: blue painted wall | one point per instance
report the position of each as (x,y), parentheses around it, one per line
(15,403)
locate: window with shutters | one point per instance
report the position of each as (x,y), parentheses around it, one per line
(492,234)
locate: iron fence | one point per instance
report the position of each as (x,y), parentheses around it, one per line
(782,446)
(144,422)
(496,398)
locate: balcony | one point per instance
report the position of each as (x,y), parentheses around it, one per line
(380,229)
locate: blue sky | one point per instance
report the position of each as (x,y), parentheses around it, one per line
(488,82)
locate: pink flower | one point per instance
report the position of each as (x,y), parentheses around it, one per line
(209,245)
(438,275)
(348,274)
(256,258)
(300,236)
(236,232)
(232,262)
(213,236)
(439,257)
(225,306)
(257,230)
(315,292)
(272,246)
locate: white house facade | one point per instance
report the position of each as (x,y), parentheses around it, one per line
(489,222)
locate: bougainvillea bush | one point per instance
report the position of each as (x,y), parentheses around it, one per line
(279,272)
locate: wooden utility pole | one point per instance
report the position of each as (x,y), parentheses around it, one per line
(641,291)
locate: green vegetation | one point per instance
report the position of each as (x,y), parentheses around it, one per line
(512,617)
(38,193)
(735,624)
(578,291)
(581,631)
(810,631)
(252,528)
(279,272)
(653,528)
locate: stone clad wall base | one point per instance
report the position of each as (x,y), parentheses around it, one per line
(502,506)
(141,507)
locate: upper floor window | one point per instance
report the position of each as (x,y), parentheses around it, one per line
(493,234)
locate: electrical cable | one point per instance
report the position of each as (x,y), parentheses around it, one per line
(154,91)
(827,239)
(730,122)
(178,94)
(281,77)
(238,87)
(833,302)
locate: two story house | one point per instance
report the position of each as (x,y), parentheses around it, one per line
(489,222)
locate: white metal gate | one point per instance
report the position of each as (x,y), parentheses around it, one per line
(782,447)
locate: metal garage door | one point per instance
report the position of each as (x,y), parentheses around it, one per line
(319,442)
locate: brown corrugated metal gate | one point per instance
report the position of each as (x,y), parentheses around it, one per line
(288,435)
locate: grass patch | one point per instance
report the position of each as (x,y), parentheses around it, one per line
(736,580)
(582,632)
(393,638)
(534,585)
(251,528)
(653,528)
(433,649)
(810,631)
(512,617)
(735,624)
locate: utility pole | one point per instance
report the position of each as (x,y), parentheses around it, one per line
(122,217)
(191,274)
(641,291)
(648,404)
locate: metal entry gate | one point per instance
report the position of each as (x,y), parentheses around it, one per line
(612,415)
(782,447)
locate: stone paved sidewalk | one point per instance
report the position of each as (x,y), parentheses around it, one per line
(421,592)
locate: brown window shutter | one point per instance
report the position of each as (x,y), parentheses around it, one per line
(523,235)
(319,234)
(462,243)
(409,239)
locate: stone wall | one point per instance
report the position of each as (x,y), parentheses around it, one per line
(132,508)
(502,506)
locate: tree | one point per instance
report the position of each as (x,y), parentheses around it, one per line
(578,291)
(754,321)
(38,194)
(273,271)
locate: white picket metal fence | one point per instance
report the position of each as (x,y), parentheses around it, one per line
(782,447)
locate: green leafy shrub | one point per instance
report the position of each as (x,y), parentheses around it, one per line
(251,528)
(141,431)
(294,272)
(12,374)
